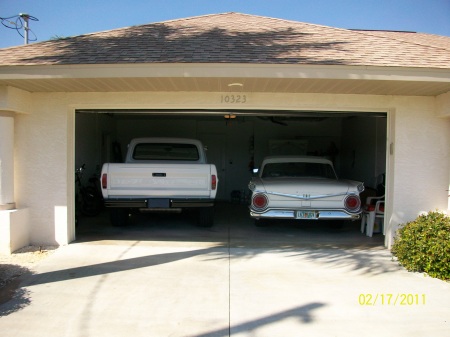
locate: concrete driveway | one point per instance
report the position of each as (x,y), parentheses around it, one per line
(163,276)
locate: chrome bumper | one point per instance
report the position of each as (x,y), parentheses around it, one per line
(293,214)
(158,203)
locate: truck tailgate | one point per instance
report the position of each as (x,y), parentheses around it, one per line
(158,180)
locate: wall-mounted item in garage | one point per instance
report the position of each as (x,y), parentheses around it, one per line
(288,147)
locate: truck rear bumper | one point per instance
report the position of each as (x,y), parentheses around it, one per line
(159,203)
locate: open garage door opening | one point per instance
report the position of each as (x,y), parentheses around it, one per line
(238,140)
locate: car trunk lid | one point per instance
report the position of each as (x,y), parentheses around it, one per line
(304,188)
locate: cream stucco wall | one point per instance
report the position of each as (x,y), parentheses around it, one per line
(422,150)
(418,142)
(41,174)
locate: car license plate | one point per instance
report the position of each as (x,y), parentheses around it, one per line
(306,215)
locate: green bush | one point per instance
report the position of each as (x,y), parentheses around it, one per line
(423,245)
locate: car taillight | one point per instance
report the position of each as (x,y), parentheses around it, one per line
(352,203)
(104,181)
(259,201)
(213,182)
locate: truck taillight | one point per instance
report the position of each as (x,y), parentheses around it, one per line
(213,182)
(104,181)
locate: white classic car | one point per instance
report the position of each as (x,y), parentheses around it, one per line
(304,188)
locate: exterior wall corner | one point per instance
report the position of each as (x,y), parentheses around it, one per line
(443,105)
(14,230)
(15,100)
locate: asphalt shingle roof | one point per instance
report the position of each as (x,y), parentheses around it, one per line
(238,38)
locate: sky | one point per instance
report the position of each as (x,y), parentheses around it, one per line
(65,18)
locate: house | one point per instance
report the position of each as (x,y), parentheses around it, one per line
(378,102)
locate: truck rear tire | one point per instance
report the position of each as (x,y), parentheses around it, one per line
(206,217)
(118,216)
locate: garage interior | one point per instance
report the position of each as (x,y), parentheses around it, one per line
(237,141)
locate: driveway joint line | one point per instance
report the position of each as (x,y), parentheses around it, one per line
(229,281)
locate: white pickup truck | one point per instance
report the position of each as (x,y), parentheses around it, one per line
(161,175)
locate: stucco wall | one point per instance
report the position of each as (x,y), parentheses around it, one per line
(41,175)
(417,180)
(92,144)
(422,153)
(364,150)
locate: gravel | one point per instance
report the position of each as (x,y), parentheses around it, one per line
(22,262)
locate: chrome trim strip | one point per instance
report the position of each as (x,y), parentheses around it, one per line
(304,197)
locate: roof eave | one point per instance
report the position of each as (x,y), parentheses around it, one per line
(223,70)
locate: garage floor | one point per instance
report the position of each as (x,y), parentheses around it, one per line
(233,227)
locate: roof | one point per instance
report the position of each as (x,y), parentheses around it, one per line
(238,38)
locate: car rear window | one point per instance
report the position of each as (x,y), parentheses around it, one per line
(298,170)
(166,151)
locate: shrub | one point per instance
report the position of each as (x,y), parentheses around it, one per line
(423,245)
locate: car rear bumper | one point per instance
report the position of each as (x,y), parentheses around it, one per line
(305,214)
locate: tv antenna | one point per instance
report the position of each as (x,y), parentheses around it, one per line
(19,22)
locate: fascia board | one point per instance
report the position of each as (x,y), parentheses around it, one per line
(182,70)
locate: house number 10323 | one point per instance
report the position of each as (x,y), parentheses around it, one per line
(233,99)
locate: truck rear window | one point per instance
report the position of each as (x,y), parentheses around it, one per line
(165,151)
